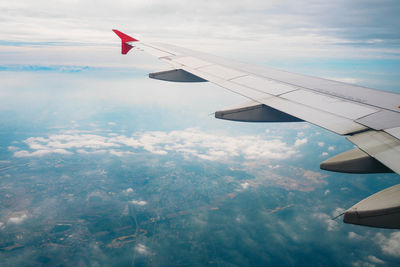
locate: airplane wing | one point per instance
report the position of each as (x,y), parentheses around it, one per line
(369,118)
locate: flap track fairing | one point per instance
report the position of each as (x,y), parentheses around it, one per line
(354,161)
(176,75)
(379,210)
(255,112)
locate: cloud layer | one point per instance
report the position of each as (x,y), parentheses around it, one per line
(358,19)
(272,28)
(189,142)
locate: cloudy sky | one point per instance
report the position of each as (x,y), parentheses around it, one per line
(249,29)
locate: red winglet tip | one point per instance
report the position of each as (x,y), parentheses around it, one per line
(124,37)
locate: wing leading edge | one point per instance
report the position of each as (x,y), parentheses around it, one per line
(370,118)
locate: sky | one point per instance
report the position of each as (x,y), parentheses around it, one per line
(295,29)
(310,37)
(63,51)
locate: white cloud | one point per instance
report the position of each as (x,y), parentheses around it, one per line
(354,236)
(363,264)
(18,217)
(327,191)
(321,144)
(190,142)
(331,148)
(139,202)
(374,259)
(389,245)
(128,190)
(40,152)
(324,154)
(300,142)
(83,151)
(97,194)
(338,211)
(142,249)
(274,166)
(331,225)
(120,153)
(245,185)
(12,148)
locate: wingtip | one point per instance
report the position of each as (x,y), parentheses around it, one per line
(124,37)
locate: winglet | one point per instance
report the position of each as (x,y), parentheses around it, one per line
(124,39)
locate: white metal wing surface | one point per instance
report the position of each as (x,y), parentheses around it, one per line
(370,118)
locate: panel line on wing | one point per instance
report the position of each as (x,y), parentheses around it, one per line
(156,51)
(222,72)
(380,145)
(332,122)
(329,104)
(192,62)
(264,85)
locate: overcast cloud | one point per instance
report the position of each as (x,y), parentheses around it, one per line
(246,28)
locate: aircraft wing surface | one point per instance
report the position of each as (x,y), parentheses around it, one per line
(369,118)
